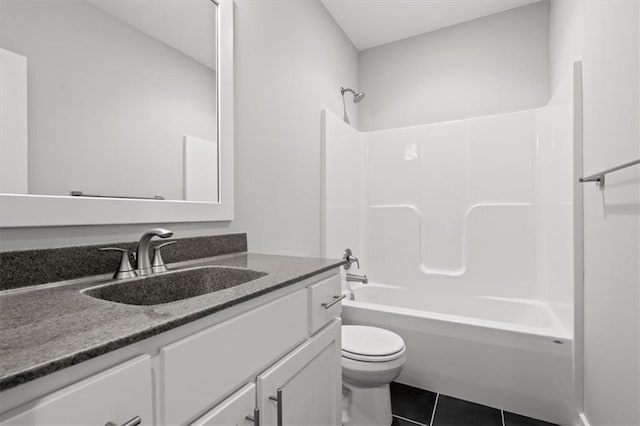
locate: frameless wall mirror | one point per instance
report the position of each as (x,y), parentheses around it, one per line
(115,111)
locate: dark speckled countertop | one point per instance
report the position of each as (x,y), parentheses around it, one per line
(47,328)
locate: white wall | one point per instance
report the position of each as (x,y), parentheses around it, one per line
(102,92)
(490,65)
(605,36)
(14,160)
(291,59)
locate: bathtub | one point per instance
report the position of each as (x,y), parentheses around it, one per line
(512,354)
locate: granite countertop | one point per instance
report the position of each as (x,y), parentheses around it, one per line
(44,329)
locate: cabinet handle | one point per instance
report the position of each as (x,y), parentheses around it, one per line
(255,418)
(336,299)
(133,422)
(278,399)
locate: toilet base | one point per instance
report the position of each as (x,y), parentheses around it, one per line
(369,406)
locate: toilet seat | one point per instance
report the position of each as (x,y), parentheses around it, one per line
(371,344)
(369,358)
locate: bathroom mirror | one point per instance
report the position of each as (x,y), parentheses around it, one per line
(115,111)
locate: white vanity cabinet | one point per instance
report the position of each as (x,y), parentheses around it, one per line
(220,370)
(120,395)
(202,368)
(304,388)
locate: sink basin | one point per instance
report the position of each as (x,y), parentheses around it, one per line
(173,285)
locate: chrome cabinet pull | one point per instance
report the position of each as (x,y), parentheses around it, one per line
(255,418)
(278,399)
(133,422)
(336,299)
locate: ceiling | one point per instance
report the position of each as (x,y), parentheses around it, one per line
(188,27)
(370,23)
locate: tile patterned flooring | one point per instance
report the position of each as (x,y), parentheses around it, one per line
(416,407)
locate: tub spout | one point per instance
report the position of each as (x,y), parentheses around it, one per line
(357,278)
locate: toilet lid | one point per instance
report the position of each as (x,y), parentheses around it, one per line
(370,341)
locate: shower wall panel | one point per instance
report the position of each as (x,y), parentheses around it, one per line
(461,195)
(475,207)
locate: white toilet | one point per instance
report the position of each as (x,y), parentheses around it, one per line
(371,359)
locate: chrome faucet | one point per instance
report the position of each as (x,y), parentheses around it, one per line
(357,278)
(349,258)
(142,253)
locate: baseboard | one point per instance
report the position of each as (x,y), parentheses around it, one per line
(582,420)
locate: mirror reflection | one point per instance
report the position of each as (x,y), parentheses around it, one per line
(109,98)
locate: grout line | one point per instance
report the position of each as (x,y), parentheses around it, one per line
(408,420)
(502,416)
(433,413)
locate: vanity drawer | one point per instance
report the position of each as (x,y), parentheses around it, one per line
(199,370)
(321,295)
(116,395)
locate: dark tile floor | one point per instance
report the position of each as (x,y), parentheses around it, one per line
(416,407)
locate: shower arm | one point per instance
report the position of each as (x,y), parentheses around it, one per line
(343,90)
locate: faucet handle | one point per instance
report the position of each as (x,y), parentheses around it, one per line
(350,258)
(124,270)
(157,265)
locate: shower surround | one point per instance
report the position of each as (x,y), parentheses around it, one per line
(465,230)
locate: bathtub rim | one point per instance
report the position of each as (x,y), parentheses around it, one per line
(556,332)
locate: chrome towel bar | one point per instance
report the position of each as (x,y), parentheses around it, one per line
(598,178)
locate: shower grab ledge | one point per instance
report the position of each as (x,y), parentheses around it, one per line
(598,178)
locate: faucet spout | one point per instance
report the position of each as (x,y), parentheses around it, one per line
(142,254)
(357,278)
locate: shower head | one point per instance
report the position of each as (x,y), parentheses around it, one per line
(357,96)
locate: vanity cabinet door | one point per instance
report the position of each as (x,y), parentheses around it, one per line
(303,389)
(233,411)
(119,395)
(198,371)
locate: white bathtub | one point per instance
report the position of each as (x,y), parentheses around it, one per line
(506,353)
